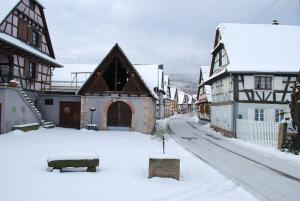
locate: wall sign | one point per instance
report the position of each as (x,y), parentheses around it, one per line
(13,108)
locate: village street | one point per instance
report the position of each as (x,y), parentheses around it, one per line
(266,178)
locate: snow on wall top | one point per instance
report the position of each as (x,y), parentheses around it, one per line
(149,74)
(21,45)
(261,47)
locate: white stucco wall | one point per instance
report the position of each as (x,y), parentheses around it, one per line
(51,112)
(221,117)
(247,110)
(14,110)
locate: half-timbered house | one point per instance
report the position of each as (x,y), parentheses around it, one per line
(183,101)
(167,97)
(253,68)
(174,100)
(122,97)
(26,57)
(204,95)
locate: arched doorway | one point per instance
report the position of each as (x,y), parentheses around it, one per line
(119,114)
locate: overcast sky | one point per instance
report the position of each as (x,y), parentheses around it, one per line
(176,33)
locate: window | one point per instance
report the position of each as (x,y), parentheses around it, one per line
(48,101)
(279,115)
(32,5)
(263,82)
(35,39)
(31,70)
(259,114)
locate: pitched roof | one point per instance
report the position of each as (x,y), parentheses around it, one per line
(6,7)
(261,47)
(143,78)
(151,74)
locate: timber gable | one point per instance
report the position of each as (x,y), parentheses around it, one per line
(25,20)
(115,75)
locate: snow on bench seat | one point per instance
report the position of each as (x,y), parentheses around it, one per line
(91,161)
(27,127)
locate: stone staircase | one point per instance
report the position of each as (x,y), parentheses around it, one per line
(27,99)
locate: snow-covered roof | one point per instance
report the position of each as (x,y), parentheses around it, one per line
(173,92)
(181,97)
(23,46)
(64,74)
(261,47)
(205,72)
(149,74)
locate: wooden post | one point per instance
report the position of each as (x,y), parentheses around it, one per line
(282,133)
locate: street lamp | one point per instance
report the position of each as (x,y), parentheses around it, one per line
(92,109)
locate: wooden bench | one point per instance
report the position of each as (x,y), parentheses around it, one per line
(27,127)
(74,162)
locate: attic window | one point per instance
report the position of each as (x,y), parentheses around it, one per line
(32,5)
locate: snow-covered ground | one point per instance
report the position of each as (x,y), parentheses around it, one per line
(122,174)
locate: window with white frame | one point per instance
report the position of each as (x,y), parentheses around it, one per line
(279,115)
(259,114)
(263,82)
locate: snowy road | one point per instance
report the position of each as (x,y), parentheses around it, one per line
(265,178)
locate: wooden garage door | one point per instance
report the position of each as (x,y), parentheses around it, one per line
(119,115)
(69,115)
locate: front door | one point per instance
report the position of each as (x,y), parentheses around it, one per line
(119,115)
(69,115)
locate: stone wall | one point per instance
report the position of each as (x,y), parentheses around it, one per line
(143,111)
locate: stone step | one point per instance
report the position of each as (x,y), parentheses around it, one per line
(47,123)
(49,126)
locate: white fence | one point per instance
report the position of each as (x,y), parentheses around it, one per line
(258,132)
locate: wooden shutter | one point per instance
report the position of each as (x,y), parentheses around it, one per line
(29,35)
(36,71)
(22,30)
(39,41)
(26,68)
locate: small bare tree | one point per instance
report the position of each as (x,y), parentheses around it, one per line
(161,134)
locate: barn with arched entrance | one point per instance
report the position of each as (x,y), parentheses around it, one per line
(119,94)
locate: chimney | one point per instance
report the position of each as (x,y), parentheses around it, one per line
(275,22)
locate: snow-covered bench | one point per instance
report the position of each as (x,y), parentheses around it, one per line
(27,127)
(74,161)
